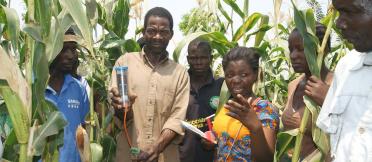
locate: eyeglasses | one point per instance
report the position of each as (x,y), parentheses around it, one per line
(153,32)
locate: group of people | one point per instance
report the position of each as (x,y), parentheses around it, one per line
(163,93)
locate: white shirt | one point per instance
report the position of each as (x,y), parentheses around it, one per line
(346,103)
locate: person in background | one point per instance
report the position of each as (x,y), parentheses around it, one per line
(69,96)
(346,111)
(162,88)
(204,98)
(307,85)
(247,125)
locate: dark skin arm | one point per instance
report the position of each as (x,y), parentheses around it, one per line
(316,89)
(263,139)
(163,141)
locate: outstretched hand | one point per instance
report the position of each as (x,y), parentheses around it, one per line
(316,89)
(242,111)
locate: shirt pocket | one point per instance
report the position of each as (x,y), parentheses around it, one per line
(336,114)
(167,100)
(336,118)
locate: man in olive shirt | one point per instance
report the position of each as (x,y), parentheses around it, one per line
(204,98)
(161,87)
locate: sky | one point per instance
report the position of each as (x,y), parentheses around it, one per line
(178,8)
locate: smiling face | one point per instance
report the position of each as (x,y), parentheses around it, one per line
(355,22)
(157,34)
(240,77)
(297,55)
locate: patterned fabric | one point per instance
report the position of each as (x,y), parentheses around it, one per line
(227,128)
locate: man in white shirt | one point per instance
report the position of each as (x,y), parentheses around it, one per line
(347,110)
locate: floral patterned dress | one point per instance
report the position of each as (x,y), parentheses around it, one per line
(234,140)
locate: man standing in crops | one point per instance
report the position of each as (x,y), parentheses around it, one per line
(347,110)
(161,87)
(69,96)
(204,98)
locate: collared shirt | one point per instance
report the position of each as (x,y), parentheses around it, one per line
(73,102)
(162,96)
(346,102)
(203,103)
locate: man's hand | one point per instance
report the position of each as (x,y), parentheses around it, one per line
(316,89)
(118,105)
(152,153)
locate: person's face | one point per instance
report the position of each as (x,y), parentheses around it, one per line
(296,53)
(240,78)
(157,33)
(199,60)
(67,58)
(355,22)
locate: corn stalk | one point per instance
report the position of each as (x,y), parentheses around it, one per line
(305,23)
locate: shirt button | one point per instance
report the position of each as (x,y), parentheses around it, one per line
(361,130)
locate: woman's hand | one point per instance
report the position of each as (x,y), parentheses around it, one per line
(242,111)
(316,89)
(207,144)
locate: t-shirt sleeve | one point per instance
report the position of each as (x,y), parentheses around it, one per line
(268,116)
(85,105)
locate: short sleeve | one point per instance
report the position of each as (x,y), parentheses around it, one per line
(268,116)
(85,105)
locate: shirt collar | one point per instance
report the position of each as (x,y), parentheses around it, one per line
(67,80)
(146,59)
(362,59)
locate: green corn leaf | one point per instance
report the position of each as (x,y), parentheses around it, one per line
(9,146)
(120,18)
(305,23)
(55,37)
(224,13)
(284,142)
(131,45)
(112,43)
(54,124)
(12,25)
(17,112)
(263,26)
(77,12)
(235,7)
(247,25)
(224,97)
(91,6)
(320,138)
(34,31)
(96,152)
(109,148)
(42,15)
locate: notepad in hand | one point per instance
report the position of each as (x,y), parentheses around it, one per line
(192,128)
